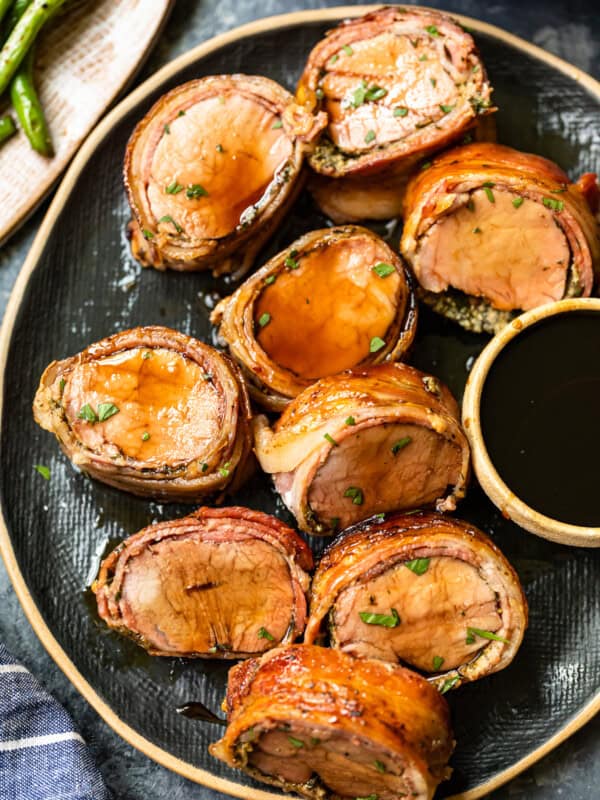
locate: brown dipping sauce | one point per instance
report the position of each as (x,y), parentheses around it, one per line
(540,416)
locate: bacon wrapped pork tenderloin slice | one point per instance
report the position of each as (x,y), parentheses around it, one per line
(491,231)
(330,727)
(151,411)
(424,590)
(211,169)
(220,583)
(384,438)
(336,298)
(396,83)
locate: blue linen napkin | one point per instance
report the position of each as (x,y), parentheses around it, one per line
(42,757)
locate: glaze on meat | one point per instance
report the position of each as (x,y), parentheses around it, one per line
(383,438)
(424,590)
(315,309)
(220,583)
(330,727)
(151,411)
(211,169)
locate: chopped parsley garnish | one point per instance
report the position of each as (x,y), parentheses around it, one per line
(106,410)
(375,93)
(448,684)
(437,662)
(401,444)
(219,148)
(400,112)
(224,470)
(147,234)
(205,467)
(194,191)
(314,741)
(380,517)
(166,129)
(380,766)
(426,165)
(334,58)
(146,355)
(87,413)
(488,191)
(385,620)
(145,436)
(276,125)
(174,188)
(447,109)
(347,50)
(320,94)
(350,421)
(476,230)
(471,205)
(432,30)
(291,263)
(270,279)
(263,633)
(181,114)
(376,344)
(518,202)
(418,565)
(383,270)
(296,742)
(433,82)
(423,57)
(330,439)
(370,136)
(168,218)
(370,797)
(555,205)
(264,319)
(61,385)
(356,494)
(486,635)
(44,471)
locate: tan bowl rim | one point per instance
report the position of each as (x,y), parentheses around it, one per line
(492,484)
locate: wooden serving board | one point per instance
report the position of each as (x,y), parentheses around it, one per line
(84,60)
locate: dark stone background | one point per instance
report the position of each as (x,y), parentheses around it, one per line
(568,28)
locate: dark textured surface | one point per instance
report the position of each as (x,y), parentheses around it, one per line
(100,291)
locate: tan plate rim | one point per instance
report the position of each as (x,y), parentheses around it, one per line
(492,484)
(47,185)
(84,155)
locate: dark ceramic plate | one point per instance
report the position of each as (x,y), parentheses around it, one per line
(80,284)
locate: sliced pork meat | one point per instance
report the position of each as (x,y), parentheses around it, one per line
(211,169)
(334,299)
(383,438)
(396,83)
(423,590)
(490,231)
(152,411)
(221,583)
(330,727)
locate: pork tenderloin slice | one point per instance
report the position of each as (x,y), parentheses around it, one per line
(166,411)
(395,466)
(347,766)
(435,610)
(516,257)
(193,596)
(221,173)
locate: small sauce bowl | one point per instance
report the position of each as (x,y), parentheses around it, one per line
(505,498)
